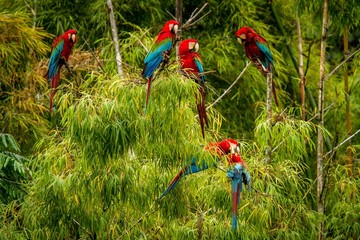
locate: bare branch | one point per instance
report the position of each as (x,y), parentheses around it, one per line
(194,15)
(94,56)
(170,14)
(199,19)
(229,88)
(342,143)
(338,66)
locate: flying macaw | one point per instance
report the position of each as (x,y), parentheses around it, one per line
(219,149)
(238,174)
(60,54)
(257,51)
(191,64)
(159,54)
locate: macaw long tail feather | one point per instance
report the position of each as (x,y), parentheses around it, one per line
(274,92)
(201,107)
(54,83)
(148,92)
(235,174)
(193,168)
(236,183)
(173,183)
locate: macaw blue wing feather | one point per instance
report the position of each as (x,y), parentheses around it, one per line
(155,57)
(54,59)
(192,168)
(268,61)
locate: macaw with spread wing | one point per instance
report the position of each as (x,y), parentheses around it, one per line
(222,148)
(192,66)
(257,51)
(60,54)
(159,54)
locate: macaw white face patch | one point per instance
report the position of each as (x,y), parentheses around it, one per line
(191,45)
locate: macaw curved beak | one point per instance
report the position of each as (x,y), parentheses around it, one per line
(73,37)
(239,40)
(196,47)
(175,28)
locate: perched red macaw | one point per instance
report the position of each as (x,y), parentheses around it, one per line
(60,54)
(257,51)
(159,53)
(192,66)
(226,147)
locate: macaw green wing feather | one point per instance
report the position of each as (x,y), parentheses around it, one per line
(200,68)
(54,59)
(155,56)
(266,51)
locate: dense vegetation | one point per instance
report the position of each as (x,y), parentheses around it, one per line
(94,167)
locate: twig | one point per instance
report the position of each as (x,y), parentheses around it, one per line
(338,66)
(342,143)
(170,14)
(126,231)
(93,54)
(193,16)
(229,88)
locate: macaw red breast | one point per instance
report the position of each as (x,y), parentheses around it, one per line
(188,57)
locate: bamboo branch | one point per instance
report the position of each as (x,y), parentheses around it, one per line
(229,88)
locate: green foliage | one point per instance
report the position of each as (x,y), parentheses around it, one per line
(13,172)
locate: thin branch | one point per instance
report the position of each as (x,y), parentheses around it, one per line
(94,56)
(338,66)
(194,15)
(170,14)
(199,19)
(229,88)
(342,143)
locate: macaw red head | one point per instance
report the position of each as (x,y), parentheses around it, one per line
(171,26)
(188,45)
(228,146)
(244,34)
(70,35)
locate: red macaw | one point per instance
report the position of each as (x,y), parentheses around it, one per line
(238,174)
(191,64)
(220,149)
(257,51)
(159,53)
(60,54)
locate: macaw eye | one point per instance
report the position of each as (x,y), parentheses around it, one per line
(171,26)
(69,36)
(243,36)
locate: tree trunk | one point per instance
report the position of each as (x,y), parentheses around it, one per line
(347,99)
(178,16)
(269,114)
(301,69)
(115,37)
(320,143)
